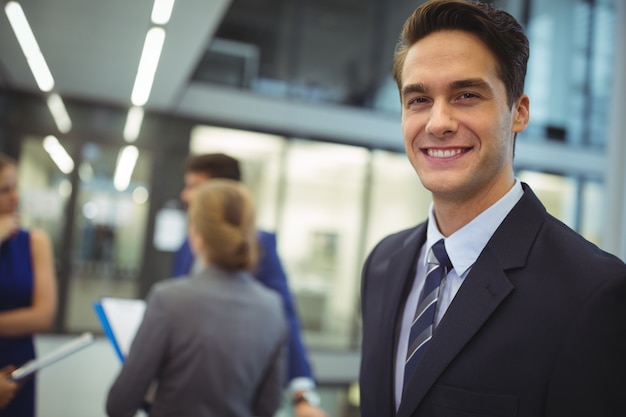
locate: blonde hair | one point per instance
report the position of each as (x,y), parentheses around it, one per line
(222,212)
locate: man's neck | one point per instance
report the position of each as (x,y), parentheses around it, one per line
(453,214)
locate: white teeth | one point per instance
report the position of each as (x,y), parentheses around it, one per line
(443,153)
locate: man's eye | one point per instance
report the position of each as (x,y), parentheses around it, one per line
(417,100)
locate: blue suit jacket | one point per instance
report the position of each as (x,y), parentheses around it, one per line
(537,329)
(269,272)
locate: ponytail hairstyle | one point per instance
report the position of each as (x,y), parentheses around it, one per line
(223,214)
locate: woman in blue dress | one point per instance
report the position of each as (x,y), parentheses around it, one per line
(28,294)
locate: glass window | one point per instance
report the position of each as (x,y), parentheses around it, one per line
(260,156)
(557,193)
(312,194)
(109,231)
(320,234)
(44,190)
(570,69)
(592,208)
(398,199)
(576,202)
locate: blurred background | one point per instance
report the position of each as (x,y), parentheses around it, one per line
(116,94)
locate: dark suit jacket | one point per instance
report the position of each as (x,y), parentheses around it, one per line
(538,328)
(269,272)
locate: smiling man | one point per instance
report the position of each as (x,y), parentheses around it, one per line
(491,307)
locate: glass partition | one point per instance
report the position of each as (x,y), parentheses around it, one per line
(109,231)
(320,232)
(592,208)
(570,68)
(398,200)
(260,157)
(557,192)
(44,190)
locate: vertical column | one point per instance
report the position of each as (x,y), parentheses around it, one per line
(615,227)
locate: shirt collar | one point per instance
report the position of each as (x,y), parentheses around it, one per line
(465,245)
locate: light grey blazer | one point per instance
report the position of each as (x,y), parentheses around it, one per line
(216,344)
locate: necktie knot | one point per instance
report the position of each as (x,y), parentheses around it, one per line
(439,257)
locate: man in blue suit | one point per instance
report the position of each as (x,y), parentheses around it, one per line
(269,271)
(517,314)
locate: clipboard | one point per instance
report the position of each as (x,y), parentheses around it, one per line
(65,350)
(120,319)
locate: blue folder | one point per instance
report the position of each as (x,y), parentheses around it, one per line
(106,326)
(120,318)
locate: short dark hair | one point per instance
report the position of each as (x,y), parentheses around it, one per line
(6,160)
(215,165)
(500,32)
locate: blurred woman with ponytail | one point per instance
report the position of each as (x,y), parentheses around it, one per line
(215,343)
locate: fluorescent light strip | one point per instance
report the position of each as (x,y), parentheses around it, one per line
(126,160)
(162,11)
(59,113)
(134,118)
(59,155)
(148,65)
(29,46)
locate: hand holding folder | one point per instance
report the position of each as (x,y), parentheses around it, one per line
(69,348)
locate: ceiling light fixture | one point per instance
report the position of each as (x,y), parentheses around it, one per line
(134,118)
(29,46)
(162,11)
(147,66)
(59,155)
(59,113)
(126,160)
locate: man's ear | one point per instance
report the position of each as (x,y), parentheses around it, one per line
(521,113)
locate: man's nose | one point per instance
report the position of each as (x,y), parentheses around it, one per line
(442,120)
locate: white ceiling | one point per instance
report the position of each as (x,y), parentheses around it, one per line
(93,47)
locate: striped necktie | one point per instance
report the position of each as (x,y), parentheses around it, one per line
(423,325)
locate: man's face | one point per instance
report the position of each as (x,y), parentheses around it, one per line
(457,126)
(192,181)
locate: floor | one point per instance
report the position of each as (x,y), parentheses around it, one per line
(77,385)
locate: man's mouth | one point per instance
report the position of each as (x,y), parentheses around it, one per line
(445,153)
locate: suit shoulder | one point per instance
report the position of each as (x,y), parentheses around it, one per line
(578,252)
(168,290)
(265,293)
(267,299)
(266,238)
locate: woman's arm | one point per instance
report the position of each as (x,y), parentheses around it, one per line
(8,388)
(39,317)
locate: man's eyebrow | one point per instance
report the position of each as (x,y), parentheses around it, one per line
(470,83)
(413,88)
(420,88)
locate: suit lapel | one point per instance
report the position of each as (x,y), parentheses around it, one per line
(402,265)
(396,279)
(482,291)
